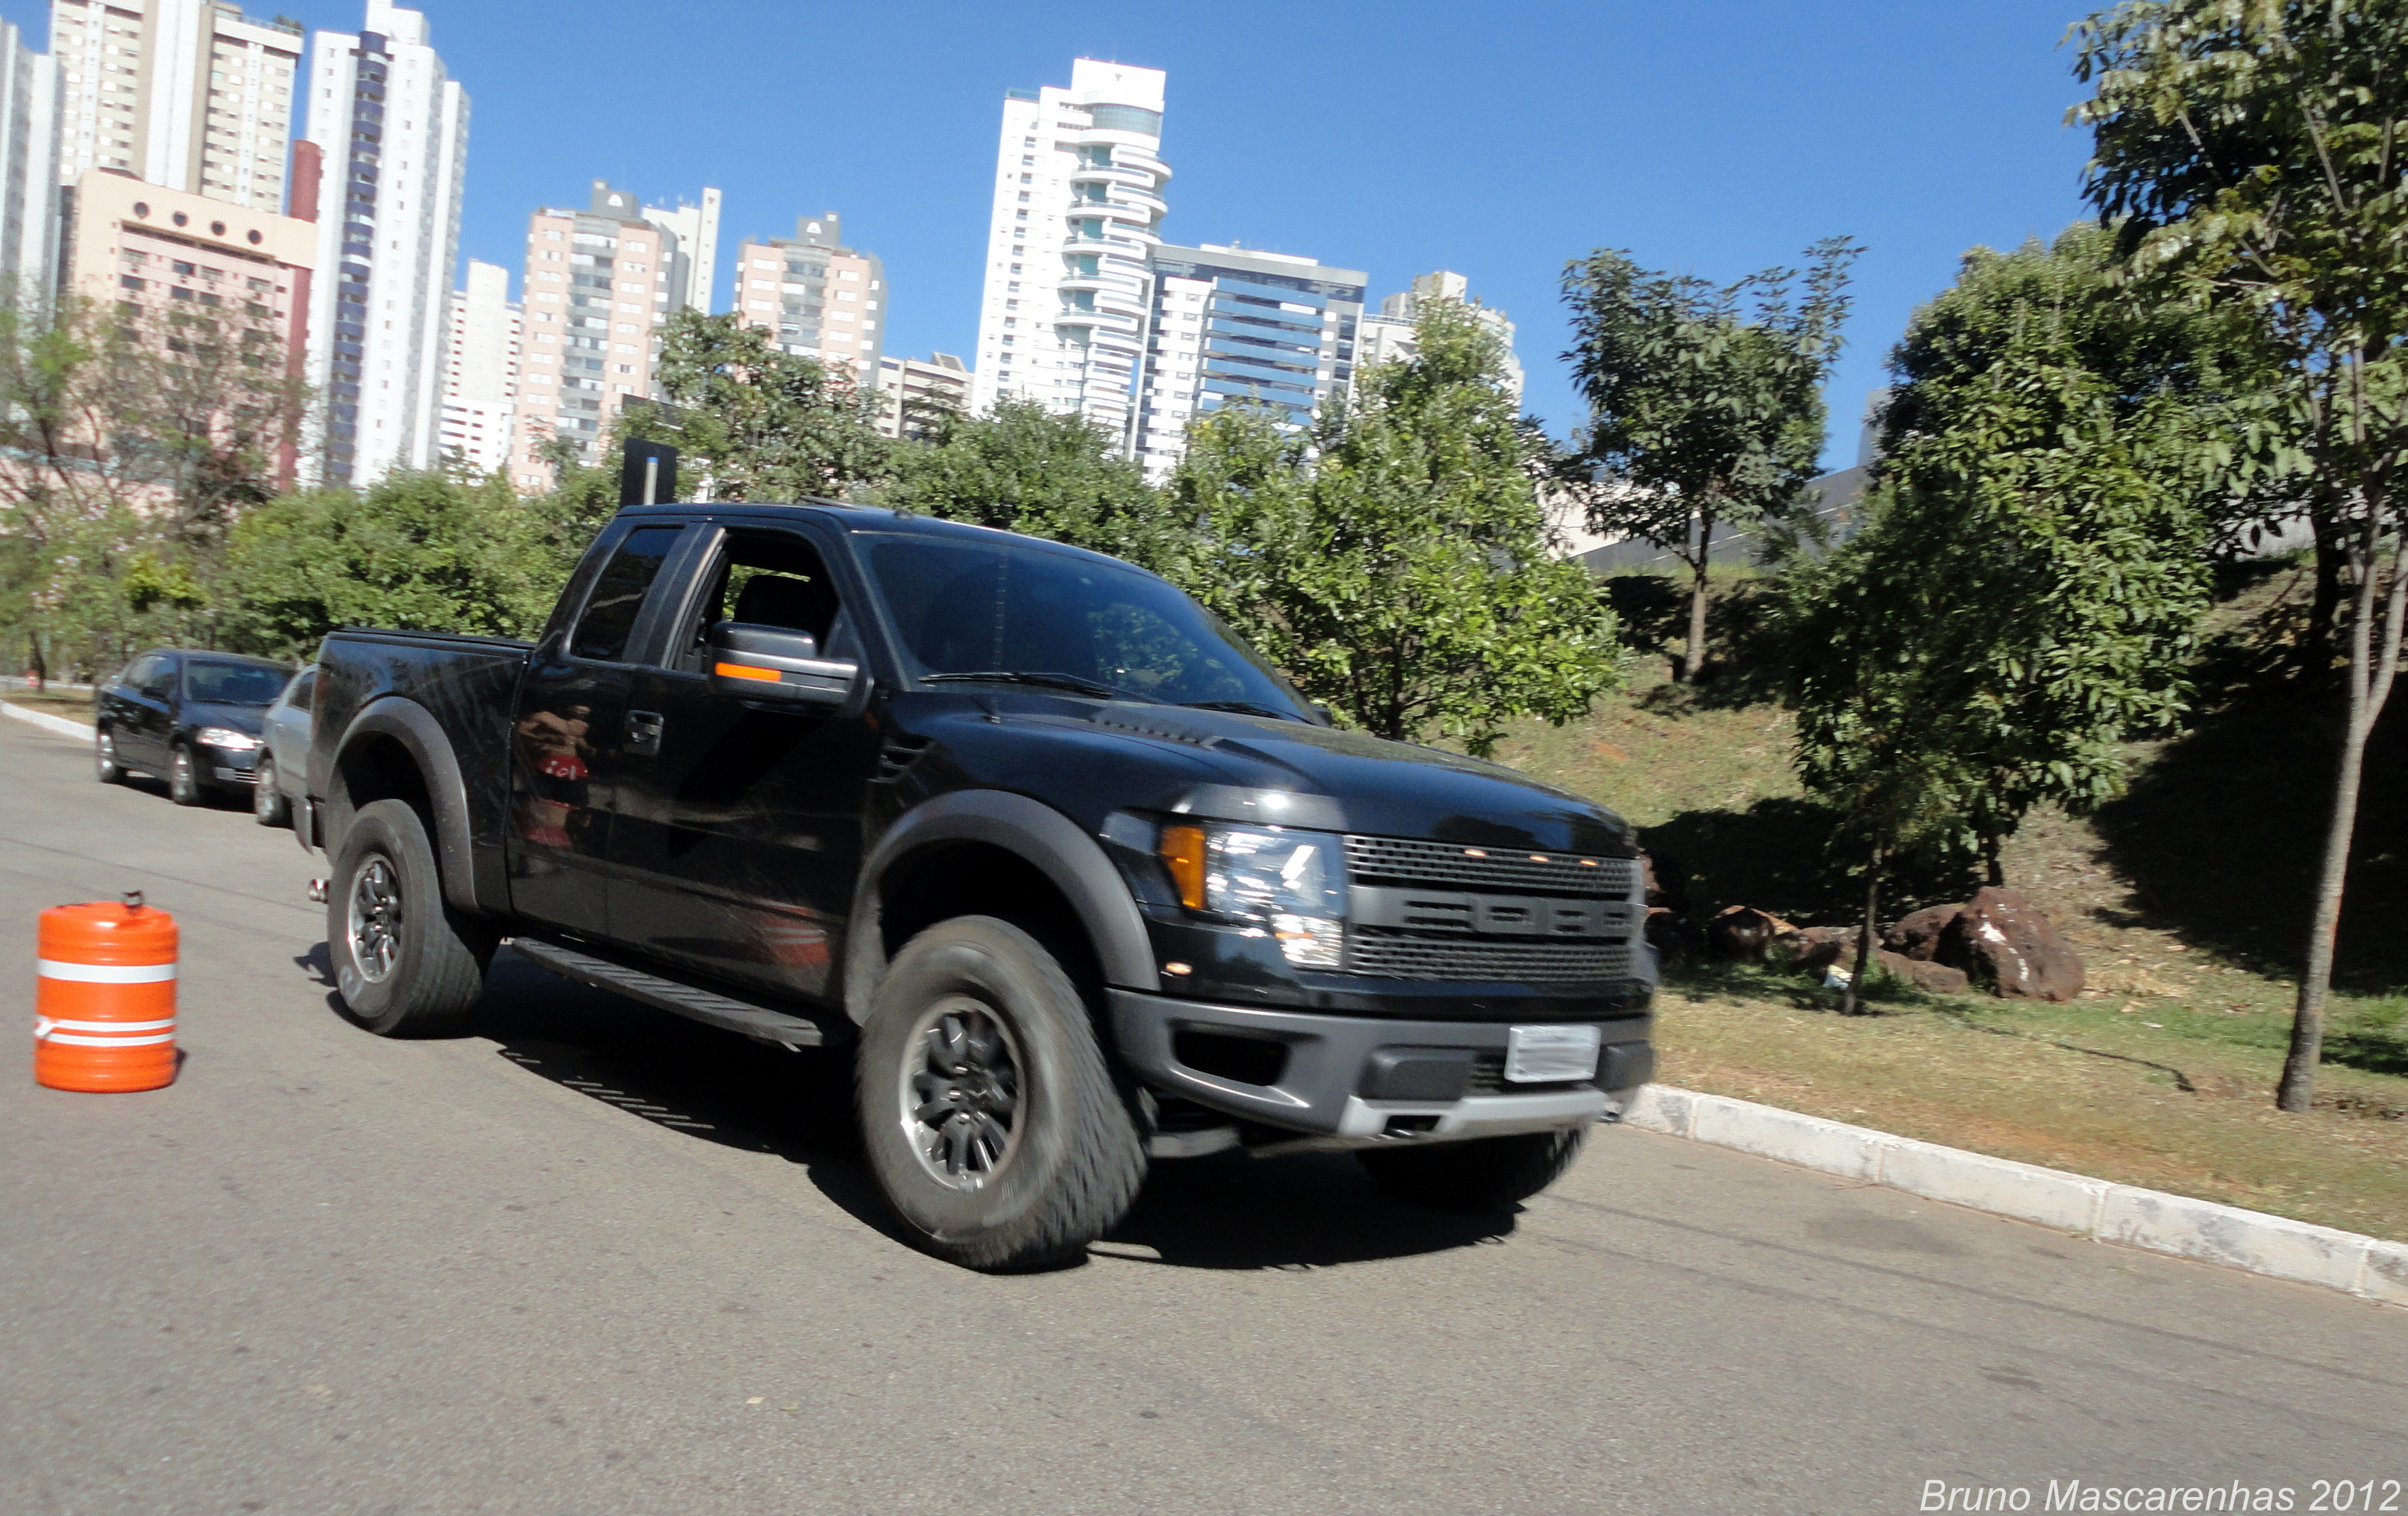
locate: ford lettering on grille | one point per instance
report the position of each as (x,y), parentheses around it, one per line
(1549,918)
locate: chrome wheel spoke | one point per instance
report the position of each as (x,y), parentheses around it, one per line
(959,1093)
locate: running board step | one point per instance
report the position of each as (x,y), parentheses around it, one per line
(706,1007)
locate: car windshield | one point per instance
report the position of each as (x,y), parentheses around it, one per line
(233,684)
(973,608)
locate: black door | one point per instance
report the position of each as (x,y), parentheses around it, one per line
(151,713)
(121,710)
(738,831)
(566,741)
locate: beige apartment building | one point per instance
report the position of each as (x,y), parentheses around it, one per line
(913,392)
(195,270)
(481,381)
(189,95)
(817,298)
(597,289)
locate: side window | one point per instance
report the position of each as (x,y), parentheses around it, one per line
(772,579)
(610,616)
(158,677)
(307,690)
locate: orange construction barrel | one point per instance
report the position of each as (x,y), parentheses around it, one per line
(105,1010)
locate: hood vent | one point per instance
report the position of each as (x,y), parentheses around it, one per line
(1168,731)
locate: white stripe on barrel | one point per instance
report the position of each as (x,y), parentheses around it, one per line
(71,1040)
(107,973)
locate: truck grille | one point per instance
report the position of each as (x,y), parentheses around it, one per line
(1415,948)
(1402,860)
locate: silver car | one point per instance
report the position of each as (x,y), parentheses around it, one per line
(284,751)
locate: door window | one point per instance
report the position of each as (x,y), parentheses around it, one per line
(611,611)
(770,579)
(150,675)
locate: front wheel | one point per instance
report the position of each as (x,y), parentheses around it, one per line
(992,1123)
(104,766)
(1486,1174)
(268,806)
(404,965)
(184,778)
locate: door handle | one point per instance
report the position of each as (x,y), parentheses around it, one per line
(644,733)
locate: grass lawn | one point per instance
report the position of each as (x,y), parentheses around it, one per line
(2187,901)
(75,705)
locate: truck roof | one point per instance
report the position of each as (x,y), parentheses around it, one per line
(846,517)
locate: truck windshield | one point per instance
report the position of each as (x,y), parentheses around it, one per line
(973,608)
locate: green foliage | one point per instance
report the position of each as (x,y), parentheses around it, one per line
(1022,468)
(420,551)
(1701,412)
(756,423)
(2020,603)
(1391,561)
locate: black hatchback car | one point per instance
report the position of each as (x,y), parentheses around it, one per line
(194,718)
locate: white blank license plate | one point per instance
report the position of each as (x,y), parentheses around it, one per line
(1550,1055)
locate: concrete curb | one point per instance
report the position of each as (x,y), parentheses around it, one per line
(57,725)
(2368,1267)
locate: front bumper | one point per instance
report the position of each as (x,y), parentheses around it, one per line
(1320,1077)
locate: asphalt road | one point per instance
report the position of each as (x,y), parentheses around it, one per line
(601,1261)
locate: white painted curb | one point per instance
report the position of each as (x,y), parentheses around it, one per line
(2368,1267)
(59,725)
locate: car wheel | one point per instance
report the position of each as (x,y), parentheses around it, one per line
(268,806)
(184,778)
(1486,1174)
(992,1121)
(104,766)
(405,964)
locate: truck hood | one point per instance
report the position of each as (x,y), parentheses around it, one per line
(1295,775)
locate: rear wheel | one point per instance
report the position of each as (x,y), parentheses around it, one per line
(104,766)
(991,1120)
(184,778)
(268,806)
(1486,1174)
(405,963)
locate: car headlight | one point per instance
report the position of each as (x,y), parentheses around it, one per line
(1289,883)
(225,739)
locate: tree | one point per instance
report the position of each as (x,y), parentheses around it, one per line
(1022,468)
(1699,416)
(2020,603)
(1392,560)
(2252,153)
(756,423)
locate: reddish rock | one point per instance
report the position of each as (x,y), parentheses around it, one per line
(1743,932)
(1668,883)
(1816,948)
(2005,942)
(1917,935)
(1924,974)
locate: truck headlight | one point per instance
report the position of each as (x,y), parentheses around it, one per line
(226,740)
(1290,884)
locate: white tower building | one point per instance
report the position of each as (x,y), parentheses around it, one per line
(694,232)
(395,135)
(1077,210)
(482,370)
(1389,335)
(191,94)
(29,180)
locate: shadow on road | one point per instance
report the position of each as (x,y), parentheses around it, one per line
(1226,1212)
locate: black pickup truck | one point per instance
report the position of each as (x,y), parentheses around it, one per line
(1072,876)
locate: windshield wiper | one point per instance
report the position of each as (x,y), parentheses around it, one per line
(1242,708)
(1028,676)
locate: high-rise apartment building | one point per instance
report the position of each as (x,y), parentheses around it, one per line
(1228,325)
(482,370)
(29,179)
(694,265)
(599,284)
(913,393)
(393,129)
(1078,207)
(190,94)
(1389,335)
(823,300)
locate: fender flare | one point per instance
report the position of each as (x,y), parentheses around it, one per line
(422,738)
(1031,830)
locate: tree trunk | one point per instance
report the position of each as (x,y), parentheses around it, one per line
(2333,551)
(1993,861)
(2372,665)
(1852,994)
(1692,660)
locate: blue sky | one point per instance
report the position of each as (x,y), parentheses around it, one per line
(1500,140)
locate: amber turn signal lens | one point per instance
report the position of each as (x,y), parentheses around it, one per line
(1181,851)
(745,671)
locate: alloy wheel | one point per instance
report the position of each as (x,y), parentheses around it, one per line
(375,923)
(960,1093)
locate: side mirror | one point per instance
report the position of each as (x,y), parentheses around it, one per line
(776,663)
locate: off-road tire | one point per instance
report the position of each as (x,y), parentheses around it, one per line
(1486,1174)
(1075,1160)
(268,806)
(435,969)
(184,777)
(104,766)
